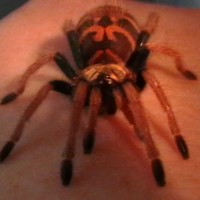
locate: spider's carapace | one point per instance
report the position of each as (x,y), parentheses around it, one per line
(111,52)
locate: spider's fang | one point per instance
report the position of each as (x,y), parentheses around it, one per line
(6,150)
(8,98)
(158,172)
(182,146)
(66,172)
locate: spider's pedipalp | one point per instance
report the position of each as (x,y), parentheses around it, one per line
(124,106)
(66,171)
(158,171)
(94,108)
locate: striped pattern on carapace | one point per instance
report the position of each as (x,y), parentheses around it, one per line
(107,35)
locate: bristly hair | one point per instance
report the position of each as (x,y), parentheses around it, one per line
(110,10)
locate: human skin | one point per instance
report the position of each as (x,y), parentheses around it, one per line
(119,167)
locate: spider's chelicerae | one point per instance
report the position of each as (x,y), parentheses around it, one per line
(111,52)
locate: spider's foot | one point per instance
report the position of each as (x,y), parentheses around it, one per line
(158,172)
(66,172)
(6,150)
(182,146)
(88,143)
(190,75)
(8,98)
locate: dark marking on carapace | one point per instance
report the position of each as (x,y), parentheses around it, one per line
(85,25)
(126,25)
(90,47)
(106,30)
(105,21)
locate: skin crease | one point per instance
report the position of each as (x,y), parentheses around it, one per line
(119,167)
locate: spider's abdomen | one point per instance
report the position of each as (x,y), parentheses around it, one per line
(107,35)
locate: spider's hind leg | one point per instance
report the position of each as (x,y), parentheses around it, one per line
(162,49)
(176,56)
(57,57)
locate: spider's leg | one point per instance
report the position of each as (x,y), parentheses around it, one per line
(135,115)
(176,56)
(60,61)
(137,60)
(73,38)
(94,108)
(59,86)
(151,23)
(64,65)
(79,100)
(149,28)
(123,105)
(180,142)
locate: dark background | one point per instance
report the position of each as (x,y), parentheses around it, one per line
(183,3)
(7,6)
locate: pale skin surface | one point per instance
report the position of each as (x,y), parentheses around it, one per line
(119,167)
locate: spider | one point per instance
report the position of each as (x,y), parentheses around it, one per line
(111,51)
